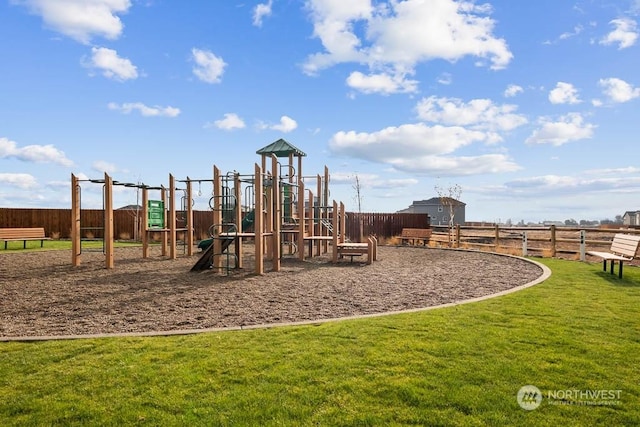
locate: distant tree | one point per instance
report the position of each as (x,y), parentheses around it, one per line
(450,198)
(571,222)
(357,186)
(619,219)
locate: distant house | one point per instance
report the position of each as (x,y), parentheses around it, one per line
(130,208)
(437,211)
(631,218)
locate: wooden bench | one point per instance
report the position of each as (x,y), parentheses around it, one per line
(413,234)
(357,249)
(24,234)
(623,248)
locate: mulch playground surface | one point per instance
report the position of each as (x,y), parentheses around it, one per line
(42,294)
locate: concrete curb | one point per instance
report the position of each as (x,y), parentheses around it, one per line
(546,273)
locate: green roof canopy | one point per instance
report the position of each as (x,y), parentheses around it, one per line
(281,148)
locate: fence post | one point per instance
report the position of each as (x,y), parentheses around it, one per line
(457,235)
(583,245)
(524,243)
(553,241)
(497,243)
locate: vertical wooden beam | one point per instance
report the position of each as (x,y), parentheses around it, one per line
(75,222)
(190,228)
(319,227)
(163,233)
(217,218)
(343,223)
(237,192)
(145,222)
(325,202)
(259,220)
(335,221)
(301,220)
(108,221)
(276,212)
(172,217)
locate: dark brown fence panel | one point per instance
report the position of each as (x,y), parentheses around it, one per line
(383,225)
(57,222)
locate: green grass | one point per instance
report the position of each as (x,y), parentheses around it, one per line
(456,366)
(34,245)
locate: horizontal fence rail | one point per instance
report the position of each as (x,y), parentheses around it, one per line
(553,241)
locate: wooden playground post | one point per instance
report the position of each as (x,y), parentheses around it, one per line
(275,212)
(325,203)
(343,223)
(172,217)
(189,225)
(217,217)
(259,221)
(237,190)
(108,220)
(165,243)
(335,217)
(301,219)
(75,221)
(145,222)
(320,219)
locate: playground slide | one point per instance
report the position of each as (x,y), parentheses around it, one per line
(207,245)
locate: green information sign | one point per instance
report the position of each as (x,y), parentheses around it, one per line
(155,214)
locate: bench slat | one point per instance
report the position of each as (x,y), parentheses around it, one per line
(623,248)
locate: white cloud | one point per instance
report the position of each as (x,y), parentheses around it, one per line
(618,90)
(564,93)
(260,11)
(33,153)
(512,90)
(20,180)
(381,83)
(479,114)
(112,66)
(155,111)
(567,35)
(570,127)
(369,180)
(103,166)
(445,79)
(287,124)
(457,166)
(398,35)
(209,67)
(397,144)
(81,19)
(624,35)
(230,121)
(567,184)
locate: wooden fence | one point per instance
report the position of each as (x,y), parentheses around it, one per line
(563,242)
(383,225)
(57,222)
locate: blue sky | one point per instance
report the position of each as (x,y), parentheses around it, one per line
(532,107)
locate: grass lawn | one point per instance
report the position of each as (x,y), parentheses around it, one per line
(579,330)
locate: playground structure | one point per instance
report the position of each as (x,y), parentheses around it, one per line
(271,207)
